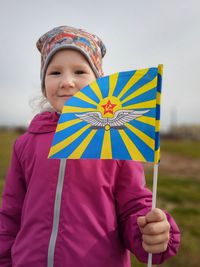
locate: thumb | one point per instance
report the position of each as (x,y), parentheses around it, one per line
(141,221)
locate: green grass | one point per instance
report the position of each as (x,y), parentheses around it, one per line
(186,148)
(7,139)
(177,194)
(181,189)
(181,198)
(185,208)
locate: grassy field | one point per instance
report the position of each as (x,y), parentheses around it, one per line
(178,192)
(181,197)
(7,139)
(186,148)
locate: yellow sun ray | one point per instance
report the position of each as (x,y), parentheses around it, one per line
(82,96)
(70,109)
(61,145)
(94,86)
(148,86)
(135,78)
(77,153)
(106,152)
(64,125)
(144,137)
(112,83)
(131,147)
(148,120)
(146,104)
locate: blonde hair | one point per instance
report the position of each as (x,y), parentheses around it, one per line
(40,103)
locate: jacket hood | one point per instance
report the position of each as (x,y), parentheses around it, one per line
(44,122)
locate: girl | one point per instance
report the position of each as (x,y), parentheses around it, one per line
(102,209)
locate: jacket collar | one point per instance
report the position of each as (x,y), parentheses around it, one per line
(44,122)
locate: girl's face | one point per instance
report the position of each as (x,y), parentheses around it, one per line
(67,73)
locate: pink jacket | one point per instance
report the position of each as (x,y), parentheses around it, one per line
(88,219)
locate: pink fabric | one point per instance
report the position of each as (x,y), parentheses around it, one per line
(101,200)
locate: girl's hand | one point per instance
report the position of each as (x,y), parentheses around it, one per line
(155,231)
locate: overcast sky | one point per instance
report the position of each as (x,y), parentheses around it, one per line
(137,34)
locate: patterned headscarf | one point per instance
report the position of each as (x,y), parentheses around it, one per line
(62,37)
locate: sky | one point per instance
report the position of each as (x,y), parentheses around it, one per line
(137,34)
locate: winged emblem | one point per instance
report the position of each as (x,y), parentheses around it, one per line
(117,121)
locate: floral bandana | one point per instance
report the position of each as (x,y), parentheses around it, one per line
(62,37)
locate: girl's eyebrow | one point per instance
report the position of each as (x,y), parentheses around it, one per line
(54,66)
(80,65)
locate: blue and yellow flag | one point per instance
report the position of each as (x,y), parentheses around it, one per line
(114,117)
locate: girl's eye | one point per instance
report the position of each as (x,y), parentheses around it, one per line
(79,72)
(55,73)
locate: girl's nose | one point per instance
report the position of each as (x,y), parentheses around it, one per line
(67,81)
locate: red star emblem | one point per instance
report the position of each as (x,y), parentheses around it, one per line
(108,107)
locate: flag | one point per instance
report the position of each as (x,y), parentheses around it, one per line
(114,117)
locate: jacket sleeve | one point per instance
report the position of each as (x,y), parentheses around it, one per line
(133,199)
(10,212)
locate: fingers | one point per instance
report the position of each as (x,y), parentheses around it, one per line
(157,241)
(155,215)
(154,240)
(155,228)
(141,221)
(158,248)
(155,231)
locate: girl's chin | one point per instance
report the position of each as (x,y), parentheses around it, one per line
(60,106)
(59,109)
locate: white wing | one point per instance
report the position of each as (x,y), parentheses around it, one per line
(123,116)
(120,118)
(94,118)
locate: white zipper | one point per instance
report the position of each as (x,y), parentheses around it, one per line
(56,215)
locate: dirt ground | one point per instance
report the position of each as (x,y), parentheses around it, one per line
(174,165)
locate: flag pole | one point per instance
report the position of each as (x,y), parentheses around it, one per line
(155,182)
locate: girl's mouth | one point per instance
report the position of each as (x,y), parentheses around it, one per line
(65,97)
